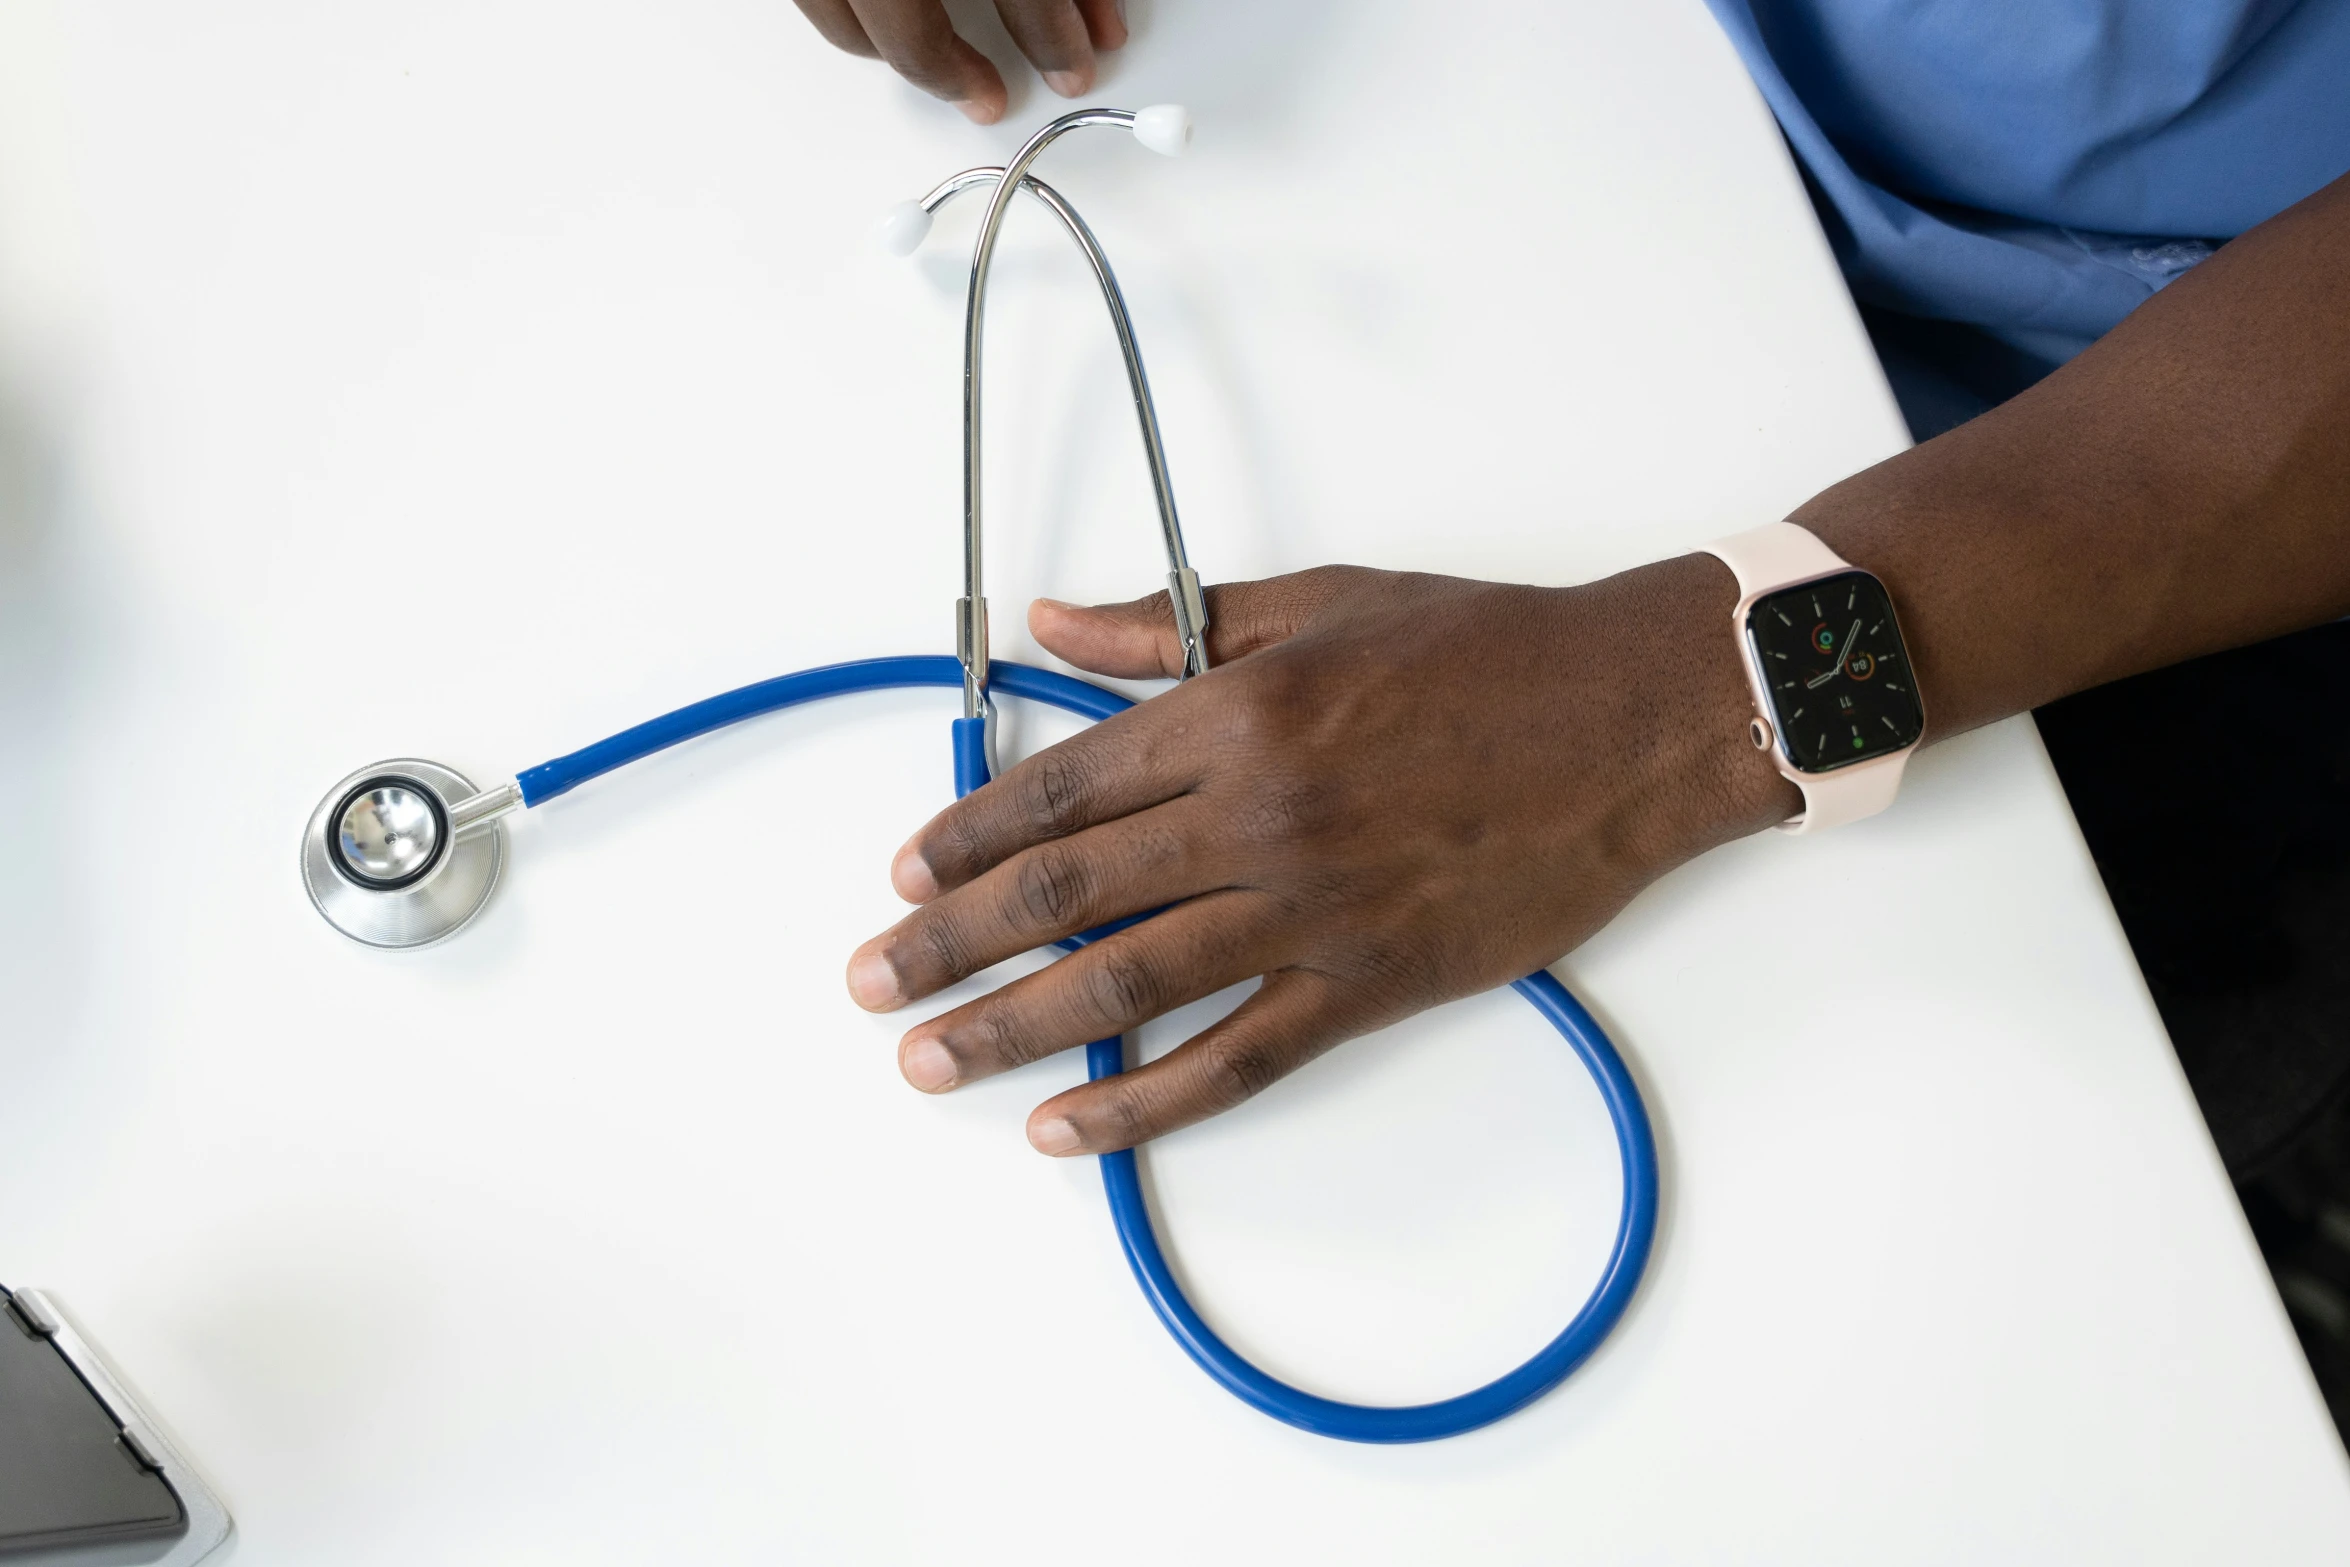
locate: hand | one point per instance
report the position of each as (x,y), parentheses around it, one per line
(1059,37)
(1392,791)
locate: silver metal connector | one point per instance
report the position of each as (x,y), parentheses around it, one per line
(476,812)
(1191,619)
(971,649)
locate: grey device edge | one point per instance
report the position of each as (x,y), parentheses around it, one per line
(208,1523)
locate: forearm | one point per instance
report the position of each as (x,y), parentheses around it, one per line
(2182,487)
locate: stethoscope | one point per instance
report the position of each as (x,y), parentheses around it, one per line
(405,853)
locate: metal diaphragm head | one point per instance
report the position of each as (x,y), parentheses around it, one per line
(388,833)
(382,863)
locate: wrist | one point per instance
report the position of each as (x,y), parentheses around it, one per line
(1701,781)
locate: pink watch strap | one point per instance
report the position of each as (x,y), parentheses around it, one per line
(1766,559)
(1770,557)
(1848,794)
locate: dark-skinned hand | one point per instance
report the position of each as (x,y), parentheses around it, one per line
(1393,790)
(1060,38)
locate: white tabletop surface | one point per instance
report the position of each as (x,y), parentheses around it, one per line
(475,379)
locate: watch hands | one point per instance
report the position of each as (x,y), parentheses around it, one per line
(1844,655)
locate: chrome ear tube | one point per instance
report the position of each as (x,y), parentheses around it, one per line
(1165,129)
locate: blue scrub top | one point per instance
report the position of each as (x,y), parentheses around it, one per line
(2038,168)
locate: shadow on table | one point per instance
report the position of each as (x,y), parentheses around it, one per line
(39,651)
(2215,796)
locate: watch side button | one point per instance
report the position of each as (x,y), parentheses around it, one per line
(1759,731)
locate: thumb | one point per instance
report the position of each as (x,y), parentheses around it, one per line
(1136,640)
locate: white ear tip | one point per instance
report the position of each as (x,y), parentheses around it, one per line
(1164,128)
(903,228)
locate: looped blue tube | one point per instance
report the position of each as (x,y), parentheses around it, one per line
(1505,1395)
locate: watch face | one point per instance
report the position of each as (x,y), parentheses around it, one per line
(1838,677)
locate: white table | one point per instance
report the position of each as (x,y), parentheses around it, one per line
(473,380)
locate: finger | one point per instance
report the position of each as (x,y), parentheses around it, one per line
(920,44)
(1037,896)
(1055,39)
(1294,1016)
(1122,765)
(1120,982)
(1136,640)
(1105,22)
(839,26)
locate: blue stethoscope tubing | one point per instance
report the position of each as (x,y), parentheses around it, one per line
(1503,1396)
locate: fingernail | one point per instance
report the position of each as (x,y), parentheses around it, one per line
(910,874)
(1055,1136)
(977,110)
(1067,83)
(873,982)
(926,1064)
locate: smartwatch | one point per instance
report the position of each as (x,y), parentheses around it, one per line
(1834,701)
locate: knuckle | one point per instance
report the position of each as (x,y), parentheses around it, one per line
(996,1040)
(954,849)
(1122,987)
(1051,883)
(1056,795)
(1121,1120)
(1237,1067)
(942,957)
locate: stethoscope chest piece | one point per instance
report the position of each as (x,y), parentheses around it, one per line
(383,863)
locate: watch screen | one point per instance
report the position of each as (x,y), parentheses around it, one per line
(1838,677)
